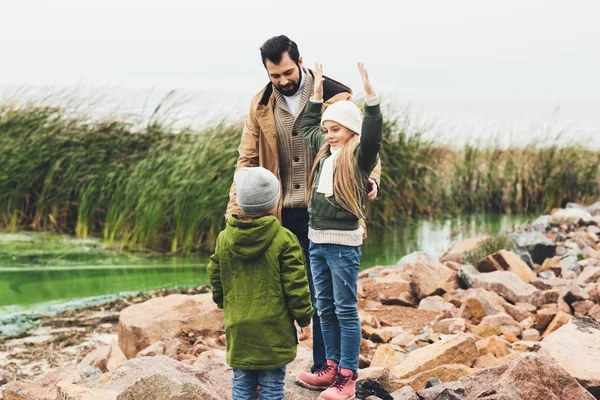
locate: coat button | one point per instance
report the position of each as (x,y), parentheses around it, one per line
(297,186)
(296,159)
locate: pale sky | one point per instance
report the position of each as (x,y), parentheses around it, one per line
(538,50)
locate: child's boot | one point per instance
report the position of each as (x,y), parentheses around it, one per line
(343,387)
(321,379)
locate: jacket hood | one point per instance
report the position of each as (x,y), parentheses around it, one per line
(249,240)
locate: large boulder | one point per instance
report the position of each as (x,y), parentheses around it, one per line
(458,349)
(576,347)
(528,377)
(159,378)
(508,285)
(160,318)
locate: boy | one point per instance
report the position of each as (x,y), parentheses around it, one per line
(259,280)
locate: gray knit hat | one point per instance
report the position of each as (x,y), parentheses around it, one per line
(257,190)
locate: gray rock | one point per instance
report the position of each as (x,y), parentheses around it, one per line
(573,216)
(534,243)
(541,224)
(546,275)
(570,263)
(466,274)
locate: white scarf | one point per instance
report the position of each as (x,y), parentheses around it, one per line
(326,177)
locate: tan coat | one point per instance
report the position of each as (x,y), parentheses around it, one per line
(258,146)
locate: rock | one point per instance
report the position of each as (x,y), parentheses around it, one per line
(8,394)
(576,348)
(547,275)
(506,261)
(478,303)
(543,318)
(531,335)
(595,312)
(429,279)
(369,388)
(571,264)
(115,356)
(411,260)
(559,320)
(160,318)
(508,285)
(551,264)
(386,289)
(517,313)
(497,324)
(528,377)
(374,373)
(457,253)
(589,275)
(405,393)
(443,373)
(460,349)
(96,358)
(542,223)
(581,308)
(525,346)
(572,216)
(376,335)
(44,387)
(493,345)
(440,392)
(161,376)
(388,356)
(155,349)
(69,391)
(436,303)
(536,244)
(466,274)
(449,326)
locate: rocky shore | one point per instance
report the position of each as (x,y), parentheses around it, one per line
(518,323)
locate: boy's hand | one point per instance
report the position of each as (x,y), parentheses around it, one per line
(366,82)
(303,333)
(318,92)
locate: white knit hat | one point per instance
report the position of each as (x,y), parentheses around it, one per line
(345,113)
(257,190)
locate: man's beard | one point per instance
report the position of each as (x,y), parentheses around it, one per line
(291,88)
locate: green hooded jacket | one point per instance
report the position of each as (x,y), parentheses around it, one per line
(259,280)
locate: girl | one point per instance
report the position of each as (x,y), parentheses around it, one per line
(347,147)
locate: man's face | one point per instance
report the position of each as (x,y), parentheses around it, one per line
(285,75)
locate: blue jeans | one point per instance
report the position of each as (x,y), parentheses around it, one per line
(296,220)
(335,274)
(245,383)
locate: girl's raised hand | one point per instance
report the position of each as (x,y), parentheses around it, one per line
(369,90)
(318,92)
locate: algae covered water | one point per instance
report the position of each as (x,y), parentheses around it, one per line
(48,273)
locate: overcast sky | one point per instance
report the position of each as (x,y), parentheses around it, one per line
(523,49)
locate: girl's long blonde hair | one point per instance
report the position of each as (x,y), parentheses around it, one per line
(347,188)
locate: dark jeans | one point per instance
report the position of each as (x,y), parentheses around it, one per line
(296,220)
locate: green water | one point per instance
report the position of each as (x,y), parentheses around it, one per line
(48,273)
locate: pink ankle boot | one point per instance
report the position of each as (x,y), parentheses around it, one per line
(321,379)
(343,387)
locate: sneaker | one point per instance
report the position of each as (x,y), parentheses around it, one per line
(321,379)
(343,387)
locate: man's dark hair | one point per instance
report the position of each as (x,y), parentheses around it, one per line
(274,48)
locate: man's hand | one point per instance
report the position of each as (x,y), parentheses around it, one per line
(373,193)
